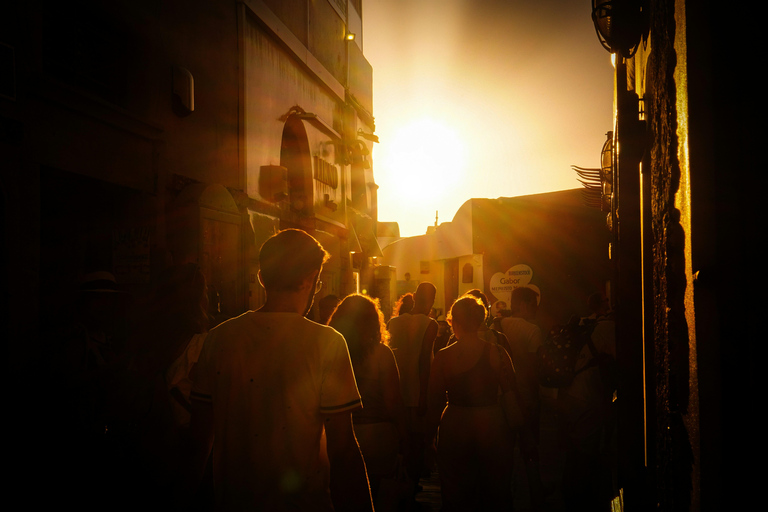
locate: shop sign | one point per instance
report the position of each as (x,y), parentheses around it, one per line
(502,283)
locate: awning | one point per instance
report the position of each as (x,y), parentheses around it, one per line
(316,123)
(366,239)
(354,241)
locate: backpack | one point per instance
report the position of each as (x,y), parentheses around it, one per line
(556,357)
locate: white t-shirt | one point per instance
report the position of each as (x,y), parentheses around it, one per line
(271,378)
(524,338)
(521,333)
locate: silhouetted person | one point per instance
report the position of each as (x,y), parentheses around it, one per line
(488,332)
(412,337)
(176,327)
(599,306)
(152,393)
(587,417)
(403,305)
(267,385)
(97,335)
(170,334)
(444,334)
(475,441)
(525,338)
(380,426)
(325,308)
(89,354)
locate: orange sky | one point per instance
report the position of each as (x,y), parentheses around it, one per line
(482,98)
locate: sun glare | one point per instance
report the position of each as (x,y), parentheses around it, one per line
(426,157)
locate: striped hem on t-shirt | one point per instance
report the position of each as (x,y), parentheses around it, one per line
(200,397)
(341,408)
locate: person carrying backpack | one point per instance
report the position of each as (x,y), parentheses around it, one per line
(586,413)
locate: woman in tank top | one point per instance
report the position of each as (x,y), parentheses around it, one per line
(380,424)
(475,443)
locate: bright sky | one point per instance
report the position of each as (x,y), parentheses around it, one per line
(482,98)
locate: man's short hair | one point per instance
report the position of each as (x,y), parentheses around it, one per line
(525,295)
(288,258)
(424,296)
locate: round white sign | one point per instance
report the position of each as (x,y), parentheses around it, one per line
(502,283)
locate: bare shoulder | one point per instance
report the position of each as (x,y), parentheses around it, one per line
(444,354)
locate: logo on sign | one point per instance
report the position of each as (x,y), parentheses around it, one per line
(502,283)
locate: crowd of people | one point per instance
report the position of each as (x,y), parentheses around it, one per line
(273,411)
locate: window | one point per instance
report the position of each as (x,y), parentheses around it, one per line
(467,273)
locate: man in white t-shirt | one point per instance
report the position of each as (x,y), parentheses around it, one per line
(524,338)
(273,394)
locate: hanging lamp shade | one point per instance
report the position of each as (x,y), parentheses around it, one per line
(619,24)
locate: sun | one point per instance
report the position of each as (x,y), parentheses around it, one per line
(426,157)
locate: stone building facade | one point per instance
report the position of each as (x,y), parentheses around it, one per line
(684,211)
(140,135)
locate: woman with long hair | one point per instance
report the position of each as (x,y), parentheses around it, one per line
(403,305)
(475,441)
(380,424)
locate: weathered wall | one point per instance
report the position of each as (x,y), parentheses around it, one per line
(673,338)
(702,212)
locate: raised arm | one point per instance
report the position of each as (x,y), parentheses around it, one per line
(349,481)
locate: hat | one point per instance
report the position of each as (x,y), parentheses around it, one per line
(100,281)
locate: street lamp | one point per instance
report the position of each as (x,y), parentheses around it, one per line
(620,24)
